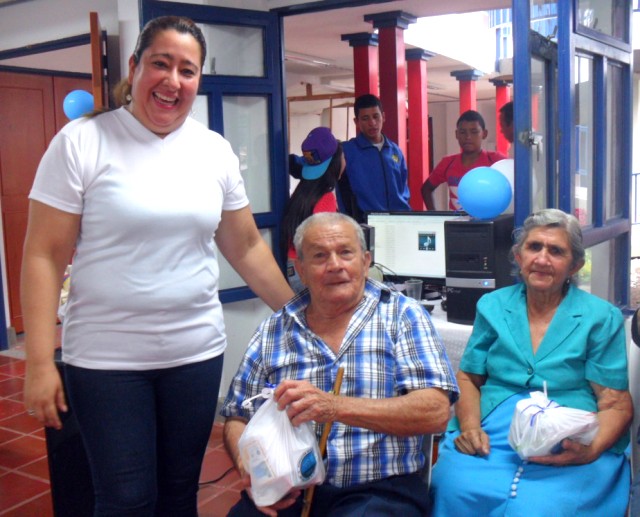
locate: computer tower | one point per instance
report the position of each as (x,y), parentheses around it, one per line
(477,262)
(70,477)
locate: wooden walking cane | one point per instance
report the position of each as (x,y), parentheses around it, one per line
(308,493)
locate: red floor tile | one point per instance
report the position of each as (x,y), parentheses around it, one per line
(10,408)
(11,386)
(39,433)
(216,435)
(13,367)
(22,423)
(22,451)
(219,505)
(39,507)
(215,464)
(15,488)
(38,469)
(6,360)
(7,435)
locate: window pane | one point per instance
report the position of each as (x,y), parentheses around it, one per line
(539,127)
(200,110)
(601,259)
(544,17)
(246,126)
(234,50)
(615,197)
(583,140)
(606,16)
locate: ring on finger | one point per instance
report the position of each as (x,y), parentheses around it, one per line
(31,412)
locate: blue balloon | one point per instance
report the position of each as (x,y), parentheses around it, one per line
(484,192)
(77,103)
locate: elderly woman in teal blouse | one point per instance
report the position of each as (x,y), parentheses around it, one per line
(542,329)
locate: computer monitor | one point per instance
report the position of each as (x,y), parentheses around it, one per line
(411,244)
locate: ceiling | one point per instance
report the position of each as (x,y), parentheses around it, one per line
(318,35)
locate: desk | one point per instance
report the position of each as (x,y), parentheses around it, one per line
(453,335)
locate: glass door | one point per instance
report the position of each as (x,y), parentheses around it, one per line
(543,136)
(535,106)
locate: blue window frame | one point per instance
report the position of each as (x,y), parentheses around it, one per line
(606,20)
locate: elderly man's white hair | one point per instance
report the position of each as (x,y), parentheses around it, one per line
(327,218)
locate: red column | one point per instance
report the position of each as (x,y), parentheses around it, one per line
(418,121)
(503,95)
(393,81)
(365,62)
(467,80)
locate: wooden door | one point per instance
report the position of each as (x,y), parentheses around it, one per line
(28,122)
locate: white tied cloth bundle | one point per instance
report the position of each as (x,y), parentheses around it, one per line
(277,455)
(539,425)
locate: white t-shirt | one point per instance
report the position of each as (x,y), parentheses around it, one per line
(144,288)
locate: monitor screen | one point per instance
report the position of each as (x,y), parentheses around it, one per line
(411,244)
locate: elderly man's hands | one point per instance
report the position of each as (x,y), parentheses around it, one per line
(305,402)
(287,501)
(272,511)
(473,442)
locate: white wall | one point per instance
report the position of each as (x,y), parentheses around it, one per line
(40,21)
(241,320)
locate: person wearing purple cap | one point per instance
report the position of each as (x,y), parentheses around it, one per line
(318,170)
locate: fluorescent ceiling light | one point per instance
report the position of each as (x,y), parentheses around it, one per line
(308,60)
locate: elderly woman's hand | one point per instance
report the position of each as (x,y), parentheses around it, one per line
(573,453)
(474,442)
(615,412)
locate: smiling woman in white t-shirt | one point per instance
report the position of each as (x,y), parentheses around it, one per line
(141,196)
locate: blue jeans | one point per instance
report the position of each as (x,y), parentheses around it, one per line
(145,433)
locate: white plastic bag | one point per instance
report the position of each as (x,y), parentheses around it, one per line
(277,455)
(539,425)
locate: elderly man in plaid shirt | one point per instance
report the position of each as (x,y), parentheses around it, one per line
(397,385)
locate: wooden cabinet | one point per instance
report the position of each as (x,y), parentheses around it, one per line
(30,114)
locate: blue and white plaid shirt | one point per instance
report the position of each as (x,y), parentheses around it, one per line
(390,348)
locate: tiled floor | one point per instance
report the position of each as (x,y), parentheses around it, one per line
(24,473)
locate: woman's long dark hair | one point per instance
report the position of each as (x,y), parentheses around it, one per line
(305,197)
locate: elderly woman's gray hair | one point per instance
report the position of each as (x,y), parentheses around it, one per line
(328,218)
(552,218)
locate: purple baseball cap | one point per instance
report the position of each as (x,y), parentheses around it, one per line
(317,151)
